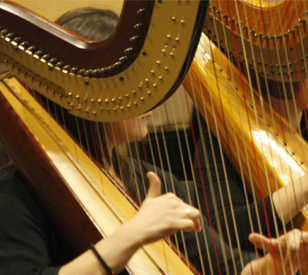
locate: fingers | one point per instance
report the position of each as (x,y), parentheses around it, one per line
(187,225)
(260,241)
(293,243)
(285,248)
(185,217)
(193,214)
(265,243)
(291,257)
(155,185)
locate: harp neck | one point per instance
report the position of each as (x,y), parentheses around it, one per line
(141,64)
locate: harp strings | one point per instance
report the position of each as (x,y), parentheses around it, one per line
(223,86)
(130,149)
(242,74)
(284,107)
(235,139)
(292,115)
(134,144)
(259,85)
(178,121)
(247,70)
(267,89)
(203,195)
(237,58)
(216,172)
(245,147)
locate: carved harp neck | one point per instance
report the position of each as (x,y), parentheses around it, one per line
(137,67)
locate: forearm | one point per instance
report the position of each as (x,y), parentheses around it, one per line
(288,201)
(158,217)
(116,250)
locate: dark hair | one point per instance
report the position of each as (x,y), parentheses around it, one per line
(97,25)
(91,23)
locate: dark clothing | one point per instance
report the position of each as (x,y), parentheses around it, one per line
(26,242)
(216,190)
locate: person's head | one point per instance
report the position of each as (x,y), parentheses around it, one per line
(91,23)
(130,130)
(97,25)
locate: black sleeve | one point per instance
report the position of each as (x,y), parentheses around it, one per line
(23,238)
(214,189)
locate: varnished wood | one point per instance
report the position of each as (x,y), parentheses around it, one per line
(131,72)
(53,9)
(265,150)
(266,19)
(270,36)
(91,192)
(79,197)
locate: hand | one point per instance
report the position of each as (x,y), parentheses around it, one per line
(161,216)
(289,251)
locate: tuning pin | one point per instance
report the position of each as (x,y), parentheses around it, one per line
(16,41)
(87,73)
(38,54)
(141,11)
(81,72)
(23,45)
(59,65)
(66,68)
(3,32)
(30,50)
(45,57)
(9,36)
(51,63)
(73,70)
(96,73)
(128,50)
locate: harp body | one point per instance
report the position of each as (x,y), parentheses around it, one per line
(257,141)
(267,41)
(124,81)
(124,85)
(42,66)
(270,38)
(66,181)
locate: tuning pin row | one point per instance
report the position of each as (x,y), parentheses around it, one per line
(53,63)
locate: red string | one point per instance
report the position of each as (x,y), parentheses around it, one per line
(202,181)
(252,141)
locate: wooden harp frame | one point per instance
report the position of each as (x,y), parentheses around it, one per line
(97,80)
(34,63)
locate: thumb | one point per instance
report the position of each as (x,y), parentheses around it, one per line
(155,185)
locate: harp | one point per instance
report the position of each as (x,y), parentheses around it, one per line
(58,71)
(251,56)
(43,68)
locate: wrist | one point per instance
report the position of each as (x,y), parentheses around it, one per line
(136,233)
